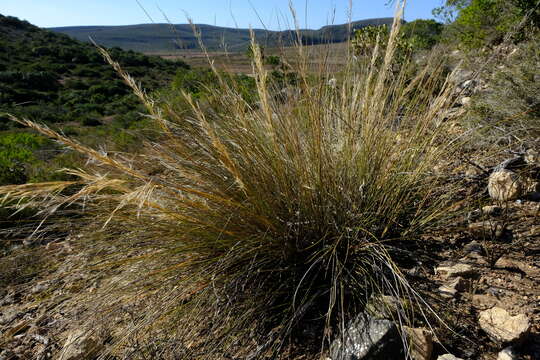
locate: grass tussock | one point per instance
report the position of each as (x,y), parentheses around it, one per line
(254,227)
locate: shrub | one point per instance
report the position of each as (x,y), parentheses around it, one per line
(423,34)
(477,23)
(272,60)
(251,225)
(370,38)
(17,152)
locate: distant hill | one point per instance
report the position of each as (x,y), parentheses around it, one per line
(152,38)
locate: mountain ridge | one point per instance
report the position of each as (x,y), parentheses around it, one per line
(165,37)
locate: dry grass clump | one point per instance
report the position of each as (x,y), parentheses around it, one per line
(255,227)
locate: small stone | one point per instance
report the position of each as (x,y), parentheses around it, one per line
(421,343)
(473,247)
(492,210)
(454,270)
(532,157)
(466,101)
(504,185)
(453,287)
(368,338)
(487,229)
(448,357)
(332,83)
(507,354)
(41,339)
(501,327)
(469,83)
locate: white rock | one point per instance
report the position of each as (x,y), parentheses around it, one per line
(504,185)
(507,354)
(466,101)
(454,270)
(469,84)
(448,357)
(332,83)
(453,287)
(501,327)
(532,157)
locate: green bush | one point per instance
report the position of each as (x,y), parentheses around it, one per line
(17,152)
(477,23)
(423,34)
(195,82)
(366,39)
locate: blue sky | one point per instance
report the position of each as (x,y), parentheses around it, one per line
(274,13)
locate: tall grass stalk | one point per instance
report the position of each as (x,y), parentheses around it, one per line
(260,229)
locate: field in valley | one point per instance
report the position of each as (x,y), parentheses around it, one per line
(333,56)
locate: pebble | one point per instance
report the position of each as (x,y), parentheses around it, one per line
(454,270)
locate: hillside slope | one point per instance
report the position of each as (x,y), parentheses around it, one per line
(166,37)
(53,78)
(50,78)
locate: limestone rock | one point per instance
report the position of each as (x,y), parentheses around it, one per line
(492,210)
(532,157)
(454,270)
(507,354)
(466,101)
(420,342)
(453,287)
(504,185)
(501,327)
(368,338)
(448,357)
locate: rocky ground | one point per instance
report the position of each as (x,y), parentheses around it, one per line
(485,275)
